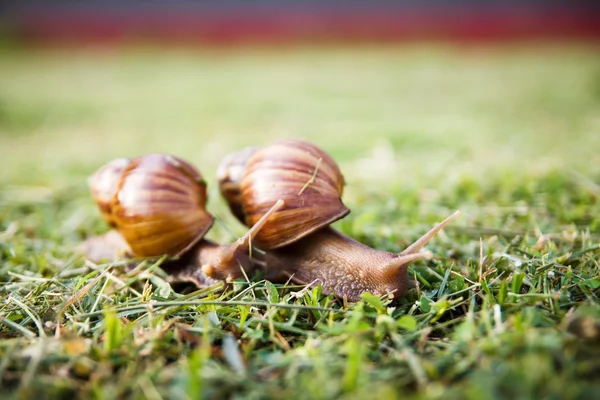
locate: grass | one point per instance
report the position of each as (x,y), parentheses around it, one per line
(509,308)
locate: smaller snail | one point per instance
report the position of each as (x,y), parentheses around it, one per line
(157,205)
(297,237)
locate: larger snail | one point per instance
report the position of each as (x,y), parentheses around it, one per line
(297,237)
(156,203)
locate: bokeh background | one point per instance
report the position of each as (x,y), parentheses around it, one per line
(405,94)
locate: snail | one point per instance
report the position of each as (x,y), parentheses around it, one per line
(156,203)
(297,237)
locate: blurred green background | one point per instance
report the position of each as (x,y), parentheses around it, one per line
(443,109)
(395,117)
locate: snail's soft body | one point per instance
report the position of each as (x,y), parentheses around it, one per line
(187,268)
(340,264)
(207,254)
(346,267)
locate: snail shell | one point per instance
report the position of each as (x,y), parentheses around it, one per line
(104,184)
(305,177)
(159,206)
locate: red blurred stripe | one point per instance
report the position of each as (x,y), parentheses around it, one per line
(380,21)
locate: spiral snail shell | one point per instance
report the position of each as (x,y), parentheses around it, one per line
(157,203)
(306,178)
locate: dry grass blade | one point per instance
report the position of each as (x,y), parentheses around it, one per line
(313,177)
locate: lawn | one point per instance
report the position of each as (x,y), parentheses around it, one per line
(509,307)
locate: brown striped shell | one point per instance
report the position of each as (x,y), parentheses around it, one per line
(159,206)
(103,186)
(305,177)
(230,174)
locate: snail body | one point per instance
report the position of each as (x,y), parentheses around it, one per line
(344,266)
(297,238)
(157,205)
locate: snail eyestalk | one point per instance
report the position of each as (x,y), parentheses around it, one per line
(423,240)
(401,260)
